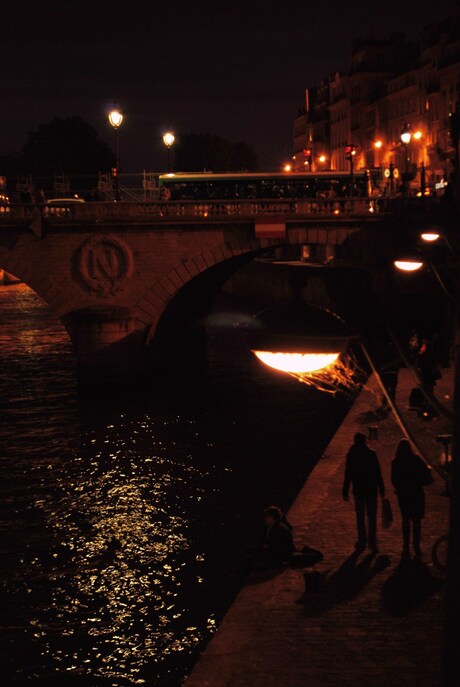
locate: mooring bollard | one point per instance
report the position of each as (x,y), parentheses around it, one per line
(313,581)
(373,432)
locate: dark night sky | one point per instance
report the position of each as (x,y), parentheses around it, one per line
(237,69)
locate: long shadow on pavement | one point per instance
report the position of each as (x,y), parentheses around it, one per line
(410,584)
(324,590)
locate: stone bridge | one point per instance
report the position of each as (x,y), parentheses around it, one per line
(127,278)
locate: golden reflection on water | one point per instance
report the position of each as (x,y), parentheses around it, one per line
(104,576)
(124,530)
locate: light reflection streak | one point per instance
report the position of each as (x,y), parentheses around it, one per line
(128,549)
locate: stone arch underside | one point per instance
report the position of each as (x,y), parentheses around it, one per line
(157,298)
(175,338)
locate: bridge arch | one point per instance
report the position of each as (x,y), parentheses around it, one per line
(158,296)
(175,320)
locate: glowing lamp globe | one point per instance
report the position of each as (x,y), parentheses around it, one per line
(408,263)
(115,118)
(168,139)
(299,338)
(406,137)
(430,236)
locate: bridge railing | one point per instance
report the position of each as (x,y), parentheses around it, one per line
(223,210)
(145,211)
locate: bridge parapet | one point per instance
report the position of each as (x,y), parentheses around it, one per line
(192,210)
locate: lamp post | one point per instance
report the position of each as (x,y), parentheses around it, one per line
(377,155)
(350,152)
(115,119)
(405,140)
(168,140)
(422,179)
(392,173)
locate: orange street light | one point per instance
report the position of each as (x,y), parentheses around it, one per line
(115,120)
(168,140)
(430,236)
(406,137)
(408,264)
(298,338)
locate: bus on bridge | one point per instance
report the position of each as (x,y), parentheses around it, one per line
(267,185)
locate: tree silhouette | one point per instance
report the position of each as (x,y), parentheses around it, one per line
(205,152)
(66,146)
(243,158)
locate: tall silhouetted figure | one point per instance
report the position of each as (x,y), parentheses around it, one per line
(362,472)
(409,475)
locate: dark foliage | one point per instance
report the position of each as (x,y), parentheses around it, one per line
(66,146)
(205,152)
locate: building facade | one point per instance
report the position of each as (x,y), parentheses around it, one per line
(392,86)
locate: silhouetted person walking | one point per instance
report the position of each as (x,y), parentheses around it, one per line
(409,475)
(427,365)
(362,472)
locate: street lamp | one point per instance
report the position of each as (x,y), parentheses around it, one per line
(405,140)
(378,146)
(286,338)
(350,152)
(115,119)
(406,135)
(168,140)
(434,236)
(430,236)
(408,263)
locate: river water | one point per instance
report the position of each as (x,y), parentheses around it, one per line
(125,521)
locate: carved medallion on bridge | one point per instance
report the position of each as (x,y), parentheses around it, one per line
(103,264)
